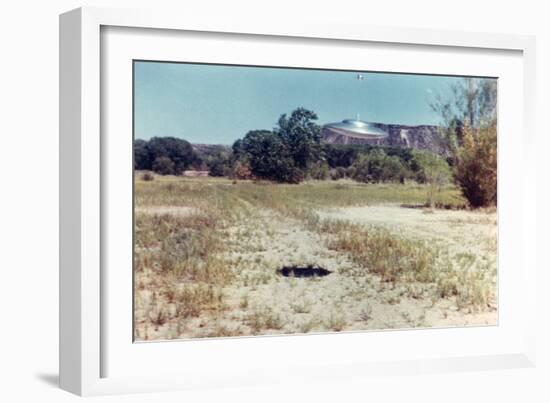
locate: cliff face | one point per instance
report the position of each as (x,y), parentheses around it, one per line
(419,137)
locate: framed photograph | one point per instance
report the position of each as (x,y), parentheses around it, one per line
(245,202)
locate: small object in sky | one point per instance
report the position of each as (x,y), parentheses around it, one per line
(360,76)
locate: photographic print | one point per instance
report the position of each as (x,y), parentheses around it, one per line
(275,200)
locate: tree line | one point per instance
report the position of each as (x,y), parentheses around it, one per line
(290,153)
(293,152)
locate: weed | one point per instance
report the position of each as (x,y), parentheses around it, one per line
(244,302)
(366,313)
(336,320)
(147,177)
(263,318)
(301,306)
(308,325)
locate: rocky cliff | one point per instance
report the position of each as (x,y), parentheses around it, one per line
(419,137)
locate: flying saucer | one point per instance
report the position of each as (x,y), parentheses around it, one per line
(355,128)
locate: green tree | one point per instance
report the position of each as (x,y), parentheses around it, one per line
(164,166)
(433,171)
(341,155)
(176,150)
(301,136)
(219,165)
(268,156)
(142,156)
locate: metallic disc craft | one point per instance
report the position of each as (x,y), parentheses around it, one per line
(356,128)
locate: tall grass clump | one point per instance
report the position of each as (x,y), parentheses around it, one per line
(187,247)
(386,254)
(193,299)
(395,258)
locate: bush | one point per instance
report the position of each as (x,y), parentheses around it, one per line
(241,170)
(220,165)
(376,166)
(318,171)
(341,155)
(147,177)
(166,154)
(293,175)
(476,166)
(163,166)
(351,171)
(337,173)
(432,170)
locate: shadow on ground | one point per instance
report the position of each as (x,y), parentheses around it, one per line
(49,379)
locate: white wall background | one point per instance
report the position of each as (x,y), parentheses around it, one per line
(29,201)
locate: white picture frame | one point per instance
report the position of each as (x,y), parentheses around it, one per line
(83,175)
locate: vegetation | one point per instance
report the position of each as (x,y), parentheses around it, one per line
(302,137)
(268,157)
(164,155)
(208,250)
(476,168)
(377,166)
(293,152)
(147,176)
(432,170)
(219,165)
(206,266)
(470,126)
(289,154)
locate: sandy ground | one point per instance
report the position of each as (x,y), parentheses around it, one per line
(463,231)
(261,301)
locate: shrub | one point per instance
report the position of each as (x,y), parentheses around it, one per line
(341,155)
(376,166)
(476,166)
(318,171)
(432,170)
(241,170)
(337,173)
(147,177)
(220,166)
(293,175)
(351,171)
(178,151)
(163,166)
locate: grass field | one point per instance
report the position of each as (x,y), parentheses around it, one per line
(208,251)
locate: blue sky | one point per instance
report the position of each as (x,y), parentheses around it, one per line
(218,104)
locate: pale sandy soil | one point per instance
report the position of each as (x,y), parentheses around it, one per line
(461,230)
(346,300)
